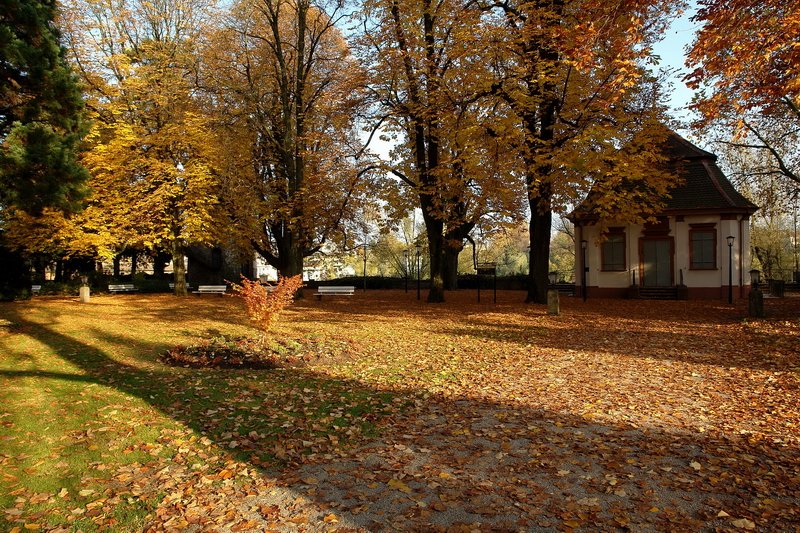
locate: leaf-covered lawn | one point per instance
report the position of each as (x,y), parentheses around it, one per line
(615,415)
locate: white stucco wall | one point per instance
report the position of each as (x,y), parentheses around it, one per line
(679,231)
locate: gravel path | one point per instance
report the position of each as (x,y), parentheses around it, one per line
(466,466)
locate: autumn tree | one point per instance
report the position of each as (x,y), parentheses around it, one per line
(562,249)
(425,77)
(484,187)
(571,73)
(151,144)
(55,235)
(745,61)
(285,90)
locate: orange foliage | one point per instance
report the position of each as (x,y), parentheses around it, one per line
(746,56)
(265,302)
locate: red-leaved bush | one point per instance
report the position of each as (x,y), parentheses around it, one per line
(265,302)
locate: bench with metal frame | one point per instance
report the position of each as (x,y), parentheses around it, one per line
(211,289)
(122,287)
(347,290)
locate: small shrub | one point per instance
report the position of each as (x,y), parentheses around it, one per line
(264,305)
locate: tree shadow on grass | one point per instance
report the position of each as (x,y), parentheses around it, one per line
(298,448)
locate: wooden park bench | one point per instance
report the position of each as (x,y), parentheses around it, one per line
(211,289)
(172,287)
(35,289)
(334,291)
(122,287)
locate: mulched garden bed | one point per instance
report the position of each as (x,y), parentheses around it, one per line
(243,352)
(249,353)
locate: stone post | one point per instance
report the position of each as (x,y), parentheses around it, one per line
(553,307)
(84,290)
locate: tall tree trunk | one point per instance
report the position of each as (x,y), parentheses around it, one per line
(450,267)
(453,244)
(179,270)
(289,260)
(540,192)
(294,262)
(289,254)
(160,261)
(115,262)
(59,277)
(134,257)
(39,269)
(436,247)
(15,281)
(540,225)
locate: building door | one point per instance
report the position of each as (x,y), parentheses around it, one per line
(657,262)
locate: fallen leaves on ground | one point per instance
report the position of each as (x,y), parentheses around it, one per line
(455,417)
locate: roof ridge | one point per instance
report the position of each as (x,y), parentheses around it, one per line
(713,177)
(697,152)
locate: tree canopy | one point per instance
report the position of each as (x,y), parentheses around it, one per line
(573,77)
(41,112)
(746,68)
(285,91)
(237,124)
(430,89)
(152,153)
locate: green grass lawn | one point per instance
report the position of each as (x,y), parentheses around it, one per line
(89,416)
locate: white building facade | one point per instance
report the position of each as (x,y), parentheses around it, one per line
(699,248)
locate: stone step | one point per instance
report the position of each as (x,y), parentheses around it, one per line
(658,293)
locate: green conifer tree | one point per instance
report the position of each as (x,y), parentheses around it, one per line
(41,112)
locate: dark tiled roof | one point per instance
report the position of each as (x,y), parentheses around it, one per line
(705,187)
(677,148)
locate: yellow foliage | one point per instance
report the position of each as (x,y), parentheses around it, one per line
(152,153)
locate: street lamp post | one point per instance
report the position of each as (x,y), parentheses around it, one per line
(585,268)
(405,267)
(730,240)
(419,254)
(365,266)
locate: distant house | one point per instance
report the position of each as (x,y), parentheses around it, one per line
(686,254)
